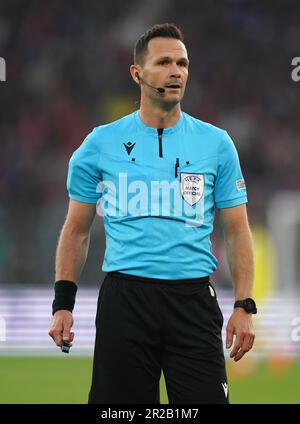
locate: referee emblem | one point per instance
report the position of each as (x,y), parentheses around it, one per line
(129,146)
(191,187)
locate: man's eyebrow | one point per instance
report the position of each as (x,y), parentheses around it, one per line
(169,58)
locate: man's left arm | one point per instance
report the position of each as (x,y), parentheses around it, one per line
(239,249)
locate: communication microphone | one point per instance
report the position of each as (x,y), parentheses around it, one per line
(159,89)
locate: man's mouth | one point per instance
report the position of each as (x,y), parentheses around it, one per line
(174,86)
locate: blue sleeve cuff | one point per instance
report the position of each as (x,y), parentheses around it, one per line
(83,199)
(231,203)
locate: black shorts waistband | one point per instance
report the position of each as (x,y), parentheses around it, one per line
(129,277)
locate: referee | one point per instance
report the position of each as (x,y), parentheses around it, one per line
(156,176)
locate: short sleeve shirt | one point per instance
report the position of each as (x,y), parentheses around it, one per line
(157,191)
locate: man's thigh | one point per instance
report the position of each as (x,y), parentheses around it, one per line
(193,359)
(127,355)
(195,381)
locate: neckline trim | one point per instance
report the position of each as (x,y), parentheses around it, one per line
(152,130)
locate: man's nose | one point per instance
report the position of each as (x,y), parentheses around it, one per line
(175,71)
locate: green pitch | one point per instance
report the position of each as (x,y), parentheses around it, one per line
(67,380)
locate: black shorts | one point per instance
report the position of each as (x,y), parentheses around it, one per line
(145,325)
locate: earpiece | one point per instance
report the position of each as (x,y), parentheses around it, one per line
(142,81)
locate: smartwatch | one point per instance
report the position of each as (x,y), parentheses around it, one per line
(247,304)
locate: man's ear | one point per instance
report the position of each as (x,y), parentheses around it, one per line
(135,73)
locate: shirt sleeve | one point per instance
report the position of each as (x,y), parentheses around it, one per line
(83,172)
(230,188)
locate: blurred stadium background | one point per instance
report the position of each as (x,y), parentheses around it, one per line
(68,71)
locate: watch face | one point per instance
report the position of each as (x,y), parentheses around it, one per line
(250,305)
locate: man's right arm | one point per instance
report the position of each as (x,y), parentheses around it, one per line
(71,255)
(74,241)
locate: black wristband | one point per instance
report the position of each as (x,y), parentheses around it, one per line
(65,295)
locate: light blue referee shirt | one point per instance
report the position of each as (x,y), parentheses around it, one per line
(157,190)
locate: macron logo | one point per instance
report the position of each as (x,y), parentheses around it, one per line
(129,146)
(225,388)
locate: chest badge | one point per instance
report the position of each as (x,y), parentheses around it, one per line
(129,146)
(191,187)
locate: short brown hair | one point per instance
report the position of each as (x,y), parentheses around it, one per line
(159,30)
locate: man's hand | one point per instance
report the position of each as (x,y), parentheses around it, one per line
(60,327)
(240,325)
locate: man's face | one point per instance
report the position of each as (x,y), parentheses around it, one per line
(166,65)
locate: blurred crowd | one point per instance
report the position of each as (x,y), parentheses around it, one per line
(68,71)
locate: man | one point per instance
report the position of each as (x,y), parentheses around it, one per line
(157,175)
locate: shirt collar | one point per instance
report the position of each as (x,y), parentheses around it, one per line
(151,130)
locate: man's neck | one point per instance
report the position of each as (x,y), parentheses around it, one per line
(158,117)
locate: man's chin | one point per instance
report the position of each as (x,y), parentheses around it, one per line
(171,100)
(167,100)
